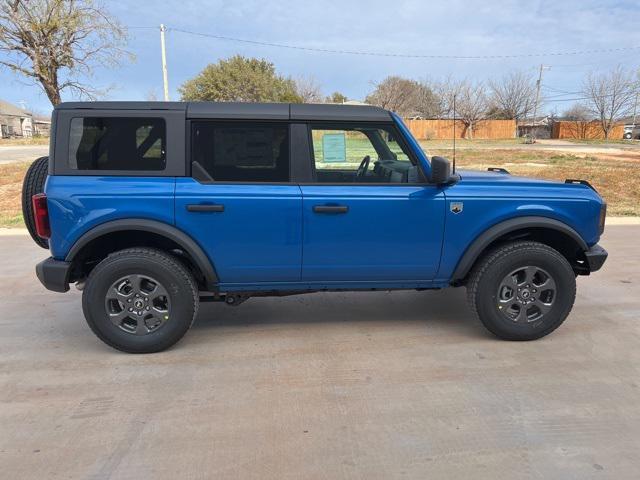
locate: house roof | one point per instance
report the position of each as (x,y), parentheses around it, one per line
(247,111)
(9,109)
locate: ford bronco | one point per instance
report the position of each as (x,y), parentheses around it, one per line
(152,207)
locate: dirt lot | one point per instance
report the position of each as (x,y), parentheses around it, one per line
(325,386)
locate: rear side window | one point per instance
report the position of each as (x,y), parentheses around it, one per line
(242,152)
(117,143)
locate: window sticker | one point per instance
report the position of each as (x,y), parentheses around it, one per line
(334,147)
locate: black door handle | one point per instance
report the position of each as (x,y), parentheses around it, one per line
(203,207)
(331,209)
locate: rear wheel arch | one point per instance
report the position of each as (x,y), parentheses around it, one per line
(94,245)
(548,231)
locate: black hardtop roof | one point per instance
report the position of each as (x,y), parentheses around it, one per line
(247,111)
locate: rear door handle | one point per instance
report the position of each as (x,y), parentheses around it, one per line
(330,209)
(203,207)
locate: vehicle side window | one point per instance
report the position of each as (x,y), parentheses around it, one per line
(242,152)
(117,143)
(361,154)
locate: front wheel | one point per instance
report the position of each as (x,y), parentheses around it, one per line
(522,290)
(140,300)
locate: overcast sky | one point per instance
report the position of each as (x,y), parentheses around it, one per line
(452,27)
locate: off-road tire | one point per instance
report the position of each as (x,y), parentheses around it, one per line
(34,183)
(157,264)
(488,273)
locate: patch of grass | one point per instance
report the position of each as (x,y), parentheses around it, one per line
(24,141)
(11,221)
(11,176)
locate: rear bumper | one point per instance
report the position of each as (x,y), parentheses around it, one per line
(54,274)
(595,257)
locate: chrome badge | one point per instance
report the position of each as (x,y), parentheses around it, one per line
(456,207)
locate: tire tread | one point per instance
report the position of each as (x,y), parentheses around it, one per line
(155,256)
(487,260)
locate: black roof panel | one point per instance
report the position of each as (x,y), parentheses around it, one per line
(248,111)
(122,106)
(238,110)
(331,112)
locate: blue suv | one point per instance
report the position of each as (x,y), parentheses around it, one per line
(152,207)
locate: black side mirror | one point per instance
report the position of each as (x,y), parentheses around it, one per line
(440,170)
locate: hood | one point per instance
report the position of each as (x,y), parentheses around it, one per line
(500,178)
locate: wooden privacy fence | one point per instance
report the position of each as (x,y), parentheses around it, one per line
(584,130)
(443,129)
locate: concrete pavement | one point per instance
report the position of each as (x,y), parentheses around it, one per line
(324,386)
(22,153)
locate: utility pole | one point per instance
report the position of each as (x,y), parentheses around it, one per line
(164,63)
(635,108)
(535,105)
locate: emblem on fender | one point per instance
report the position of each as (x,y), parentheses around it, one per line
(456,207)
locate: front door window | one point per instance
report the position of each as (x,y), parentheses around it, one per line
(361,154)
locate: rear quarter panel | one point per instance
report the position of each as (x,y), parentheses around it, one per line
(485,206)
(79,203)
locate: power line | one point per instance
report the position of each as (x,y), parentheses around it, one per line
(401,55)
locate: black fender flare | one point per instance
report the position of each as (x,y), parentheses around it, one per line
(483,240)
(168,231)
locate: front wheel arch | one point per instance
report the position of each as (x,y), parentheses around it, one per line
(548,231)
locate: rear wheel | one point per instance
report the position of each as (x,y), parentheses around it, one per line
(140,300)
(522,290)
(34,183)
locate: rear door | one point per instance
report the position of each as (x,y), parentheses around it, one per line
(238,202)
(369,217)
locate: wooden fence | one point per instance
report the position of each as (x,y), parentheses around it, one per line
(443,129)
(584,130)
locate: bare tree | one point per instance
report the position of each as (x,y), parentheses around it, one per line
(513,95)
(56,43)
(610,96)
(471,103)
(394,93)
(309,90)
(578,112)
(579,117)
(425,101)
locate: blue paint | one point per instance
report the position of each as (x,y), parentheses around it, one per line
(270,238)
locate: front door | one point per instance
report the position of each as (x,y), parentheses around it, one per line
(369,216)
(239,204)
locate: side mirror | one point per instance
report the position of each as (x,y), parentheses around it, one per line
(440,170)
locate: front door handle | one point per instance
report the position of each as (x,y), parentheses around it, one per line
(330,209)
(203,207)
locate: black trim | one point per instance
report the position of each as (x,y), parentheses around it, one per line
(495,232)
(596,256)
(138,224)
(332,209)
(575,181)
(300,160)
(498,170)
(205,208)
(54,274)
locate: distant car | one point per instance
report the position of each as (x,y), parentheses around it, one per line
(631,131)
(154,207)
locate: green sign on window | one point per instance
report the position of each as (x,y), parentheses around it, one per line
(334,147)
